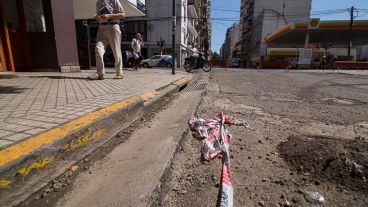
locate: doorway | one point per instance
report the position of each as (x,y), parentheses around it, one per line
(3,65)
(14,49)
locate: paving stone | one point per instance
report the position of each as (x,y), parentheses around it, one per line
(9,127)
(20,128)
(70,117)
(34,131)
(4,143)
(16,137)
(33,123)
(49,125)
(60,115)
(4,133)
(80,113)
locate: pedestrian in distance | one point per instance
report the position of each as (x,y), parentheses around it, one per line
(323,62)
(109,14)
(137,44)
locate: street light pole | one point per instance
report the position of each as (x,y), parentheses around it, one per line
(350,29)
(173,36)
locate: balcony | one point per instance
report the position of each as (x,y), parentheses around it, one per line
(141,7)
(192,30)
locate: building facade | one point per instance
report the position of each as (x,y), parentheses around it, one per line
(159,27)
(193,25)
(35,36)
(260,18)
(204,26)
(231,47)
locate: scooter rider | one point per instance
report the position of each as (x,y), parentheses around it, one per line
(194,54)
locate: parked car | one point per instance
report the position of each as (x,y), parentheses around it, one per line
(235,63)
(157,61)
(166,62)
(294,62)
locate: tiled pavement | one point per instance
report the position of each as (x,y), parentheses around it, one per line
(31,103)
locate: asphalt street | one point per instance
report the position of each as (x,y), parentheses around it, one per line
(309,135)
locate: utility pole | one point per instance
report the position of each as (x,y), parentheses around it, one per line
(350,29)
(173,35)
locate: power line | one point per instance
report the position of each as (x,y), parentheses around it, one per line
(262,8)
(315,13)
(266,17)
(362,15)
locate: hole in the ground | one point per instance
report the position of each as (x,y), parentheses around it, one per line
(342,162)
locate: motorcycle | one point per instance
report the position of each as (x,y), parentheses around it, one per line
(189,63)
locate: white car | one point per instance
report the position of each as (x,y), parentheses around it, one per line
(153,61)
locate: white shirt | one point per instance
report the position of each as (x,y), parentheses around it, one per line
(137,45)
(194,52)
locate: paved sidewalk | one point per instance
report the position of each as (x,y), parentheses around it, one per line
(31,103)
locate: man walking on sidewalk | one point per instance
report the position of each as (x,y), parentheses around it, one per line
(109,13)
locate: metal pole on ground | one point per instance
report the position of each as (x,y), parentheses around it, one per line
(173,36)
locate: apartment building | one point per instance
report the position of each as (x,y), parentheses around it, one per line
(260,18)
(231,47)
(193,25)
(159,26)
(205,26)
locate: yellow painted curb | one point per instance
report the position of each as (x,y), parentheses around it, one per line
(81,140)
(4,183)
(149,95)
(181,82)
(34,166)
(36,142)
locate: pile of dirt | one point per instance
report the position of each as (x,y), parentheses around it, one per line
(323,159)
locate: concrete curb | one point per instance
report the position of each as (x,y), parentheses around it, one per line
(159,192)
(71,141)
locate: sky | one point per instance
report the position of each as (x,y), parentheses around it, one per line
(219,26)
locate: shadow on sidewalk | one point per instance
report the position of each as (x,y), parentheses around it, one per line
(8,76)
(59,77)
(11,90)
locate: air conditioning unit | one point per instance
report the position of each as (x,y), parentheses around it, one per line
(151,27)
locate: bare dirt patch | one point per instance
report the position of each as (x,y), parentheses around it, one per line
(323,159)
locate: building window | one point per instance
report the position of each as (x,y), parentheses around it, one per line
(132,27)
(35,18)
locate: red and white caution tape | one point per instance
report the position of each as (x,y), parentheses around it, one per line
(216,140)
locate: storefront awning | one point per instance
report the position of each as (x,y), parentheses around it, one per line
(192,30)
(86,9)
(131,10)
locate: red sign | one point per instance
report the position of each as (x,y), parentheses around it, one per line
(314,45)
